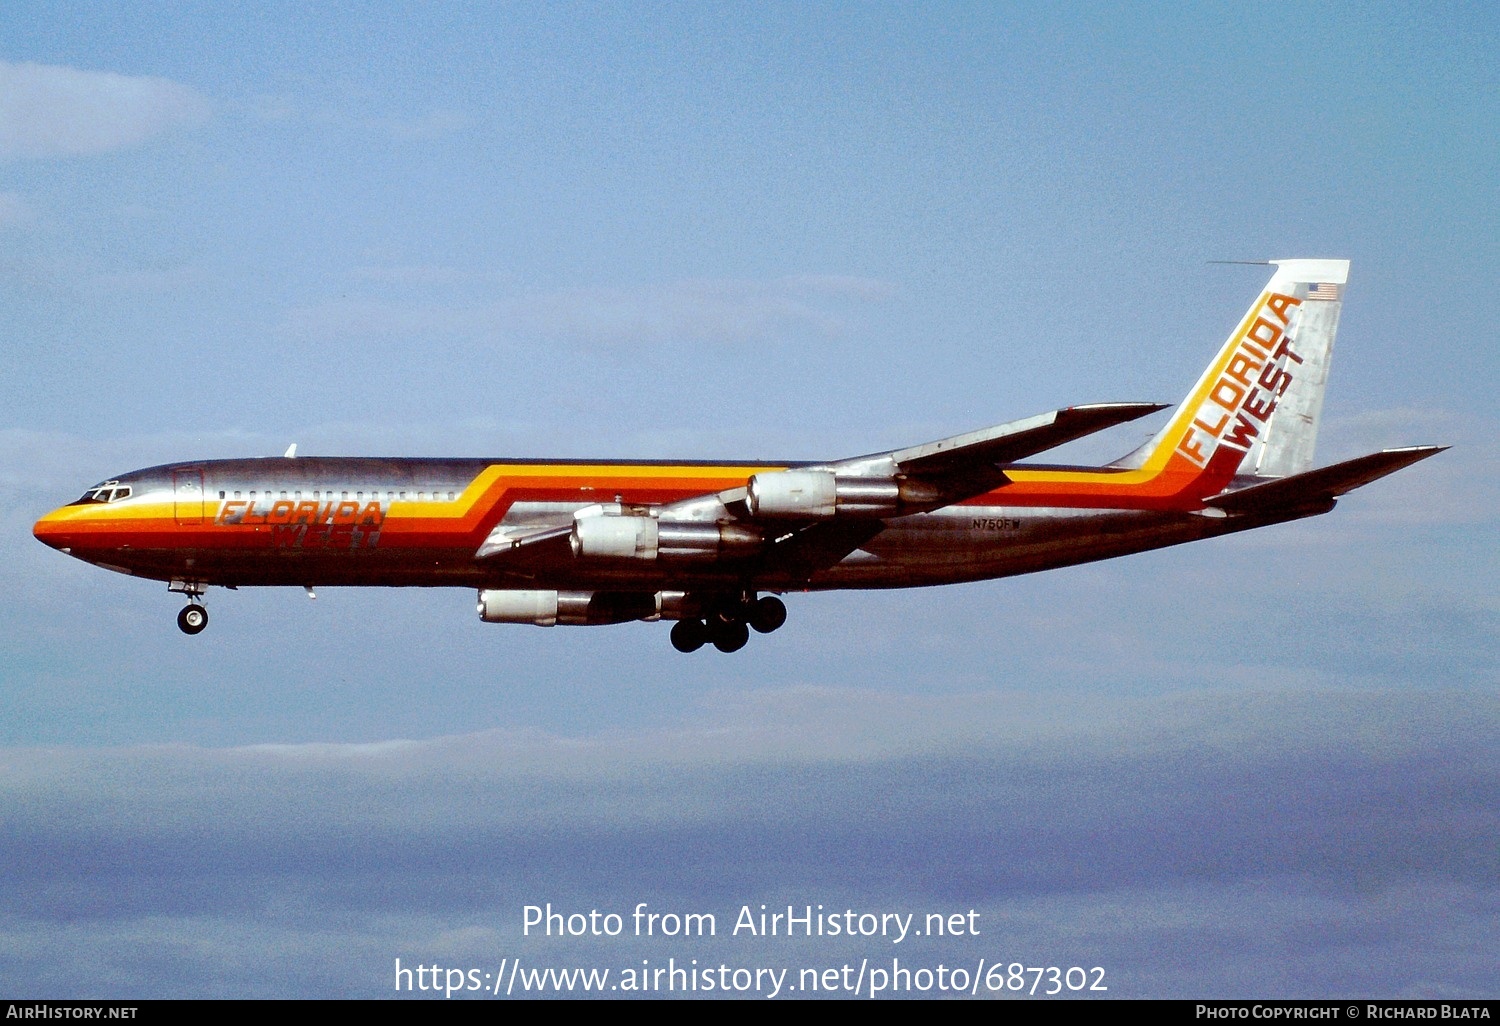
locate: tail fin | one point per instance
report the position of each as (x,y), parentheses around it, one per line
(1255,409)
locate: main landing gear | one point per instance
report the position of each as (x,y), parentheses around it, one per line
(193,617)
(728,629)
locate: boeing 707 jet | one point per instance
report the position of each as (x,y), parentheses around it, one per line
(710,545)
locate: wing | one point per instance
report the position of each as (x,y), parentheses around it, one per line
(971,464)
(538,542)
(812,517)
(795,522)
(1017,440)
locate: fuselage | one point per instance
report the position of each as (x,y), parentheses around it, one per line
(328,521)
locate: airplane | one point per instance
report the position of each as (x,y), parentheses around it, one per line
(710,545)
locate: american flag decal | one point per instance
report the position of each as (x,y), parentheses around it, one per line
(1325,290)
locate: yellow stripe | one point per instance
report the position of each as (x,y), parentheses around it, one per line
(515,476)
(1189,408)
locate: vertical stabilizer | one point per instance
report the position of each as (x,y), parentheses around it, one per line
(1255,409)
(1286,446)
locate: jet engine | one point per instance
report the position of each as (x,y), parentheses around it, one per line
(570,608)
(820,494)
(646,538)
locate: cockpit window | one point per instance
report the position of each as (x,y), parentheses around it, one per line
(109,491)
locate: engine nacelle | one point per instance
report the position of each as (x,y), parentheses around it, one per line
(616,538)
(820,494)
(646,538)
(570,608)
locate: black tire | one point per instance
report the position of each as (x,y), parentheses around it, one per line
(689,635)
(767,614)
(730,636)
(192,619)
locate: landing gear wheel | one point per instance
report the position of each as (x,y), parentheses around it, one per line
(192,619)
(767,614)
(689,635)
(730,636)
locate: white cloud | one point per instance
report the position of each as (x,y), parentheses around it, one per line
(1184,843)
(56,111)
(791,729)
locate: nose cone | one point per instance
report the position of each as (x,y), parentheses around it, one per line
(53,530)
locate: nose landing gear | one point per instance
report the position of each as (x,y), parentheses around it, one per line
(193,617)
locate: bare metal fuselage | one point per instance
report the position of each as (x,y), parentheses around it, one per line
(326,521)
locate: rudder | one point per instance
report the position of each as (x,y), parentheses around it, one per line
(1286,445)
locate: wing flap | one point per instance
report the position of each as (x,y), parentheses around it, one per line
(1322,485)
(815,547)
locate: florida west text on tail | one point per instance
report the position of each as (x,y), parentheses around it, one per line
(710,545)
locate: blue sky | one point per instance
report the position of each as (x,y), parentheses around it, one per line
(782,231)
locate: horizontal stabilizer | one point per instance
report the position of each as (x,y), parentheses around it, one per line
(1016,440)
(1321,485)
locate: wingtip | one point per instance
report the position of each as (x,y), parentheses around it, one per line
(1422,452)
(1120,409)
